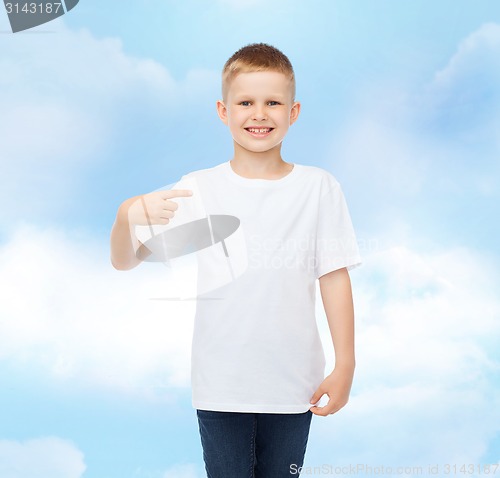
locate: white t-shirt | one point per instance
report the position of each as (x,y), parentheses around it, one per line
(256,346)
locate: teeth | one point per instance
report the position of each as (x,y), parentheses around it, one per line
(259,130)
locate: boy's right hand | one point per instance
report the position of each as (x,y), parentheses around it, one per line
(155,208)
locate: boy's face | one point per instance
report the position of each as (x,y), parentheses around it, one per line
(259,109)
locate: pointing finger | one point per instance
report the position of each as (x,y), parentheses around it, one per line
(173,193)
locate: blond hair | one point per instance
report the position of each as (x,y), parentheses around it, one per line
(256,57)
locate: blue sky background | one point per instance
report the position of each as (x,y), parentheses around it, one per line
(400,101)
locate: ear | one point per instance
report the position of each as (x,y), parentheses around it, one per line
(294,112)
(222,111)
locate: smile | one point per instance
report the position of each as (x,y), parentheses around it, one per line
(259,131)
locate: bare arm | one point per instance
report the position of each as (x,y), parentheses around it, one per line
(336,294)
(124,243)
(150,209)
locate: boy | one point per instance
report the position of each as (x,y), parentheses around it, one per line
(257,359)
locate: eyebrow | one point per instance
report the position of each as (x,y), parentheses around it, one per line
(251,97)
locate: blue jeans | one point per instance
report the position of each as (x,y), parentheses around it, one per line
(253,445)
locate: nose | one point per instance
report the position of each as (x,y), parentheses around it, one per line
(259,113)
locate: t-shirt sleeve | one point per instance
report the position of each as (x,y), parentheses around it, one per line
(336,245)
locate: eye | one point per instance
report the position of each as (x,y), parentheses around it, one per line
(245,103)
(273,103)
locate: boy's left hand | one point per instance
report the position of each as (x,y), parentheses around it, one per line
(337,386)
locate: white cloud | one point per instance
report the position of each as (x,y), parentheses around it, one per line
(382,165)
(183,471)
(414,155)
(60,92)
(476,55)
(68,314)
(67,99)
(427,360)
(179,470)
(427,339)
(464,96)
(382,156)
(48,457)
(428,318)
